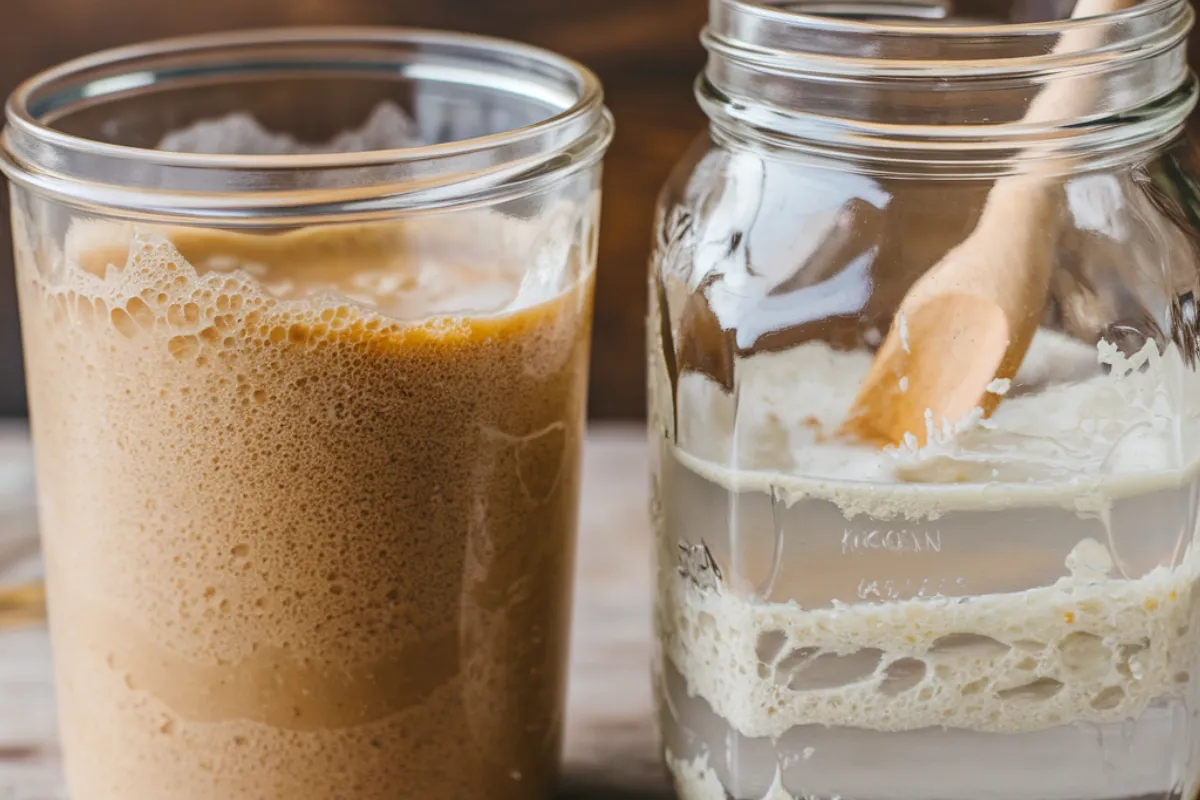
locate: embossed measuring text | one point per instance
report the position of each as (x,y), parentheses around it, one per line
(896,540)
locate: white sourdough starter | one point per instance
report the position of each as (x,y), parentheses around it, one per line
(1012,593)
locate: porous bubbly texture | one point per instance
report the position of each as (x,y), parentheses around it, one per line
(1090,439)
(1082,649)
(297,547)
(695,779)
(1084,427)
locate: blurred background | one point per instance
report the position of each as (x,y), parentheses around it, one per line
(645,51)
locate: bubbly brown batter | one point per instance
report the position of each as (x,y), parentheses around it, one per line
(296,548)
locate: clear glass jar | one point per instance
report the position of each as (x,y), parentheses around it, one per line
(859,599)
(306,317)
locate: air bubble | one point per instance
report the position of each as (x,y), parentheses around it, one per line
(184,348)
(770,643)
(1084,655)
(84,310)
(1108,699)
(1041,689)
(969,645)
(124,323)
(901,675)
(832,670)
(140,312)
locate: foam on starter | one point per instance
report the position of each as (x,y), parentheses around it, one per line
(1084,435)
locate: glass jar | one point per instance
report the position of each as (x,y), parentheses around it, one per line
(923,403)
(306,317)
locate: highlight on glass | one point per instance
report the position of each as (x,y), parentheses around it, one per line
(923,395)
(306,318)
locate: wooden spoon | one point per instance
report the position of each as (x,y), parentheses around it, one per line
(969,319)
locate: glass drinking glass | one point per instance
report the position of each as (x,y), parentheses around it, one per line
(923,405)
(306,318)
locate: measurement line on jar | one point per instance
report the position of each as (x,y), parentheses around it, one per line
(896,540)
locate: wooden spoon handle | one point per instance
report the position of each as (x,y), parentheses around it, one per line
(1017,196)
(972,316)
(1018,205)
(1070,98)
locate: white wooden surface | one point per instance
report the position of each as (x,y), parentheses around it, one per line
(610,747)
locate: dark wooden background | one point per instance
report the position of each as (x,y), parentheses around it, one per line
(645,51)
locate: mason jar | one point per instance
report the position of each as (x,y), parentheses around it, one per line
(306,318)
(923,406)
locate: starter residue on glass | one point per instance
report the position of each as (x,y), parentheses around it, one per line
(1083,432)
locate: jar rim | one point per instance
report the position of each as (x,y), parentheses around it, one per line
(32,150)
(927,91)
(769,10)
(760,33)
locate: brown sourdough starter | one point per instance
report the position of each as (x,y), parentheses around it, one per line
(297,549)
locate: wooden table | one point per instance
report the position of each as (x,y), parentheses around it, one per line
(610,743)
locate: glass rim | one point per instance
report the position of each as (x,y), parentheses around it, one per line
(36,154)
(819,22)
(17,111)
(749,31)
(783,74)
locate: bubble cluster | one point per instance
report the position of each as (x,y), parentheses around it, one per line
(298,548)
(1081,649)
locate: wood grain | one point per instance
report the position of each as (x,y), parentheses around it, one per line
(610,749)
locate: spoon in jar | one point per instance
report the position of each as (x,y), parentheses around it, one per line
(964,327)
